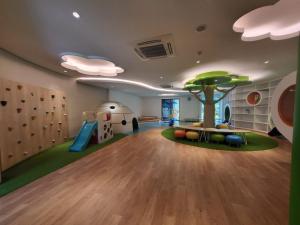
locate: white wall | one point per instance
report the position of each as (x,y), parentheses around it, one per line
(131,101)
(187,108)
(80,97)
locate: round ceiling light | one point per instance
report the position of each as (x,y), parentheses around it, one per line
(76,15)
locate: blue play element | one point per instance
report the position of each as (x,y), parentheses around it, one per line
(233,139)
(171,122)
(82,139)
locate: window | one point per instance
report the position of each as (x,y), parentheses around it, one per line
(170,109)
(218,112)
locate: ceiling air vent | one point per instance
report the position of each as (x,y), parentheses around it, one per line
(155,48)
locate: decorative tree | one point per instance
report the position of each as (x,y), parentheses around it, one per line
(207,83)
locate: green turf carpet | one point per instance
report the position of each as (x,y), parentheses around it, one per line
(256,142)
(44,163)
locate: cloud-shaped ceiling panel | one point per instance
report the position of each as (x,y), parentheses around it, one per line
(279,21)
(91,65)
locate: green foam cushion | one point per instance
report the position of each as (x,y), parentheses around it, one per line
(217,137)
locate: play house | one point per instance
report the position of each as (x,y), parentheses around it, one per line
(121,116)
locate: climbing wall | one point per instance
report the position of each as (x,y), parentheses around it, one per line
(32,119)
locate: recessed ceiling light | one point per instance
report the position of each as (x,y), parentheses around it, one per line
(198,61)
(76,15)
(161,77)
(266,62)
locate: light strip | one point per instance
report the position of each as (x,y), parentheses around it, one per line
(137,83)
(167,94)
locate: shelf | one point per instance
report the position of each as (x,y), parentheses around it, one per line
(244,121)
(265,123)
(255,117)
(262,105)
(242,99)
(263,89)
(243,106)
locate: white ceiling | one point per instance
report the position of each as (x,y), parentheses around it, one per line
(39,31)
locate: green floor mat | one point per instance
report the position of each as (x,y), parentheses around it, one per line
(44,163)
(256,142)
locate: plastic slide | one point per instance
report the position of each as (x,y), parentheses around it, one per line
(82,139)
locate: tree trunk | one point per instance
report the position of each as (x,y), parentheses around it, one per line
(209,107)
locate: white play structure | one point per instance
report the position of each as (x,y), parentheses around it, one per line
(94,123)
(282,106)
(104,124)
(121,116)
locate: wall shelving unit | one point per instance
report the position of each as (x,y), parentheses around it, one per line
(253,117)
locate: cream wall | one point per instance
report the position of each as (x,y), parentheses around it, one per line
(129,100)
(188,108)
(80,97)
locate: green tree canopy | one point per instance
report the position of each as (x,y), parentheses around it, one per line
(209,82)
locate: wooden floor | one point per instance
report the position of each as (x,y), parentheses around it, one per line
(146,179)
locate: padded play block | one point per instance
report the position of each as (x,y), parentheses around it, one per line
(192,135)
(198,124)
(234,140)
(217,138)
(179,133)
(222,126)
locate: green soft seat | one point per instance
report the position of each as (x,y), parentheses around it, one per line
(219,138)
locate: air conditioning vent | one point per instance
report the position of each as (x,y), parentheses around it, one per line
(155,48)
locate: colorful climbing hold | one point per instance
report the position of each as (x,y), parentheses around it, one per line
(3,103)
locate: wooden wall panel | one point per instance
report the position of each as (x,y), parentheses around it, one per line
(32,120)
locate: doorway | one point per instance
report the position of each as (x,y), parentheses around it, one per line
(170,109)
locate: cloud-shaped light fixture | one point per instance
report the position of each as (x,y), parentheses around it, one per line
(90,65)
(279,21)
